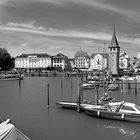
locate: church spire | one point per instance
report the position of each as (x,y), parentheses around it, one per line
(114,42)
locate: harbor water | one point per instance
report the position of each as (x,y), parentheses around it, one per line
(27,108)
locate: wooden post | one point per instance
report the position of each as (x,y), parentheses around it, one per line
(97,101)
(135,86)
(81,77)
(48,96)
(129,85)
(122,84)
(19,82)
(79,98)
(71,82)
(81,92)
(61,82)
(86,76)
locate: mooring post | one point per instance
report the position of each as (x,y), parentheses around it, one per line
(19,82)
(48,96)
(86,76)
(129,85)
(135,86)
(79,98)
(61,82)
(71,82)
(81,92)
(122,84)
(81,77)
(97,101)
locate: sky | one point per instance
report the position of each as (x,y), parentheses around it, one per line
(68,26)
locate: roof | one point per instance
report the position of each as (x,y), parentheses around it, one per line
(60,55)
(33,54)
(103,54)
(81,53)
(114,41)
(129,104)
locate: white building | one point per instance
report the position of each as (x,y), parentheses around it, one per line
(81,60)
(33,61)
(124,61)
(60,61)
(98,61)
(71,64)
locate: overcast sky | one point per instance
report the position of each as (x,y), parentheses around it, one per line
(67,26)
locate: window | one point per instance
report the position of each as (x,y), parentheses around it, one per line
(128,108)
(137,107)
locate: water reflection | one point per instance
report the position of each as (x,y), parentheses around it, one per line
(129,130)
(27,107)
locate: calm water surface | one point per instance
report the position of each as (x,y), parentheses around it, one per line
(27,108)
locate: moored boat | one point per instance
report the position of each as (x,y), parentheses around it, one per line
(7,77)
(88,86)
(112,87)
(9,132)
(118,111)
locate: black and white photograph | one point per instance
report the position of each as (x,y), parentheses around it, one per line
(69,70)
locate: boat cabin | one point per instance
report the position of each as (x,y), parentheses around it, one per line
(125,107)
(130,108)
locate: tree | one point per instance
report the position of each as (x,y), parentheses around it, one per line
(5,59)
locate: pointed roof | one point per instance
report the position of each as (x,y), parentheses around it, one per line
(114,41)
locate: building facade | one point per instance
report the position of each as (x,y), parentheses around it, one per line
(71,64)
(81,60)
(114,52)
(98,61)
(60,62)
(33,61)
(124,61)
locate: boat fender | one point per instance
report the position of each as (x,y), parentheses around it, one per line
(98,113)
(122,116)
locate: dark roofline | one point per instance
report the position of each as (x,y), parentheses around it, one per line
(33,54)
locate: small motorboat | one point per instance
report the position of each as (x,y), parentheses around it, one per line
(9,132)
(9,77)
(112,87)
(88,85)
(116,110)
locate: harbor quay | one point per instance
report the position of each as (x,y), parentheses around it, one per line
(27,108)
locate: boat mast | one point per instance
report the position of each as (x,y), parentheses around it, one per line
(103,68)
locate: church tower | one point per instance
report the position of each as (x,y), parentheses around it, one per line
(114,51)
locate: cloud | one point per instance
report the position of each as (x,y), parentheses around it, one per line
(99,4)
(29,25)
(3,2)
(32,29)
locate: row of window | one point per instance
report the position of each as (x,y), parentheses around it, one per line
(81,57)
(57,65)
(58,61)
(112,49)
(32,59)
(30,66)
